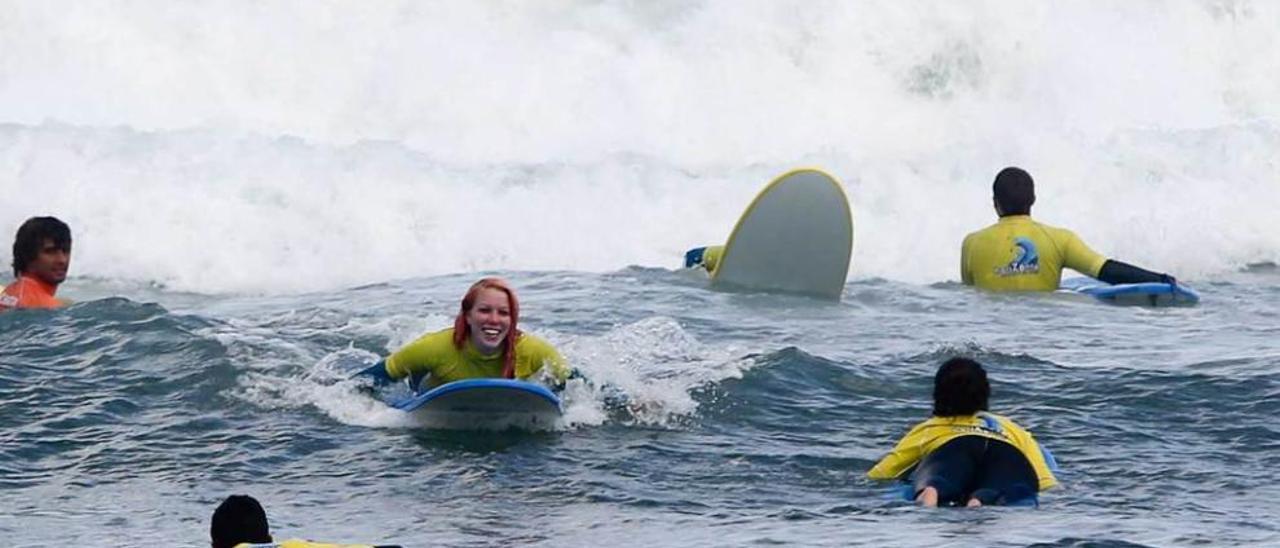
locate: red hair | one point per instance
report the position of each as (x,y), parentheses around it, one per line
(462,329)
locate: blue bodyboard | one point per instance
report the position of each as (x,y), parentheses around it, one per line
(1144,294)
(907,491)
(484,404)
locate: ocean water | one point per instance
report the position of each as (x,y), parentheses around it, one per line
(267,195)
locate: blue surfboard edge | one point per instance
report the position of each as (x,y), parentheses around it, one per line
(1180,294)
(906,491)
(417,401)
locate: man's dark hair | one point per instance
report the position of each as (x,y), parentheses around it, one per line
(1014,191)
(960,388)
(239,519)
(31,237)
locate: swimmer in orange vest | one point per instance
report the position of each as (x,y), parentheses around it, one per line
(41,256)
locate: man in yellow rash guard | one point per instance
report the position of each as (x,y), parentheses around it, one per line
(484,342)
(1020,254)
(964,453)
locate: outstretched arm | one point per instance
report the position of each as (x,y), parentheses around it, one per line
(966,276)
(377,372)
(905,455)
(1116,272)
(706,257)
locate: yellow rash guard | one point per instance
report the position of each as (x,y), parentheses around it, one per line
(711,258)
(928,436)
(1019,254)
(435,354)
(295,543)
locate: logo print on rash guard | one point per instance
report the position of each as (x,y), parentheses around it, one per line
(1026,260)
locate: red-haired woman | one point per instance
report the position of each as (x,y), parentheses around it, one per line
(484,342)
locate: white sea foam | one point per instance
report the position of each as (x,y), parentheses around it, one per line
(652,367)
(646,372)
(290,147)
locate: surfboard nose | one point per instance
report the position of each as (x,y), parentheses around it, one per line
(796,236)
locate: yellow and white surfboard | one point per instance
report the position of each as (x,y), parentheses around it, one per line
(796,237)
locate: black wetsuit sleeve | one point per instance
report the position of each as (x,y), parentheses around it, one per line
(377,372)
(1116,272)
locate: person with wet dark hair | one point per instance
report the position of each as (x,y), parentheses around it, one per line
(965,454)
(238,520)
(960,387)
(1020,254)
(41,257)
(241,522)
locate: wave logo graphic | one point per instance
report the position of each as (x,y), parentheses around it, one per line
(1026,259)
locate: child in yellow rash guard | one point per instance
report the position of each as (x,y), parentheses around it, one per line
(435,354)
(1019,254)
(964,454)
(297,543)
(240,522)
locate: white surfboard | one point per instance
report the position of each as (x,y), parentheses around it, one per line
(796,237)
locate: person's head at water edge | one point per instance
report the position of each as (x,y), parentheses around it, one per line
(1013,192)
(41,258)
(239,519)
(488,318)
(42,250)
